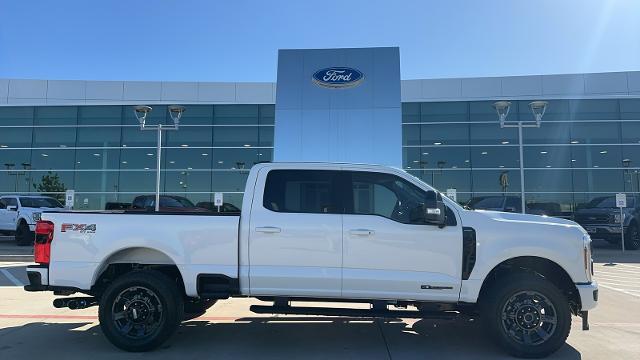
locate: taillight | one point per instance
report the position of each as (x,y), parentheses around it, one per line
(42,245)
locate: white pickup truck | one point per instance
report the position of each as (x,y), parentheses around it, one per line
(321,232)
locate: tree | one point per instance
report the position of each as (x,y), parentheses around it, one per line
(50,185)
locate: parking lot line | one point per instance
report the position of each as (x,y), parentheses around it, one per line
(11,278)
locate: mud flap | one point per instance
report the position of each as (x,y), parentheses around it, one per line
(585,320)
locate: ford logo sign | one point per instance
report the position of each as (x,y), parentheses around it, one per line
(338,77)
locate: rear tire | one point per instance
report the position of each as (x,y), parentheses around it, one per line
(140,310)
(24,236)
(632,237)
(526,315)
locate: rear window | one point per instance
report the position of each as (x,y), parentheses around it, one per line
(302,191)
(39,202)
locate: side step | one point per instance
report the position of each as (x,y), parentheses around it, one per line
(368,313)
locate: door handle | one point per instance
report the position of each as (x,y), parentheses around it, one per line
(362,232)
(268,229)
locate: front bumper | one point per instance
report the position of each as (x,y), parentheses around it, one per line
(588,295)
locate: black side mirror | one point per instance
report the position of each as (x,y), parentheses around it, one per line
(434,210)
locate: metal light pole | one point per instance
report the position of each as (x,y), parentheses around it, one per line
(141,112)
(537,108)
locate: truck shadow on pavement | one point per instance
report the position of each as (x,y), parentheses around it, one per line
(272,338)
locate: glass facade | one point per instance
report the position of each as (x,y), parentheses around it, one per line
(101,153)
(583,149)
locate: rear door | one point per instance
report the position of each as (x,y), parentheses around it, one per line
(389,251)
(295,239)
(4,215)
(8,218)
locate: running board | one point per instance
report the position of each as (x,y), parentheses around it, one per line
(367,313)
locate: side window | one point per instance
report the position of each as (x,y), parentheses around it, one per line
(390,196)
(302,191)
(10,202)
(387,195)
(3,205)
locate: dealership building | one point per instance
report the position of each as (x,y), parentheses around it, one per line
(444,131)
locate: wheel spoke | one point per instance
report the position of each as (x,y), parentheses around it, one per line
(542,333)
(119,315)
(526,337)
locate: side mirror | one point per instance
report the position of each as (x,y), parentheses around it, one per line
(434,210)
(12,208)
(510,209)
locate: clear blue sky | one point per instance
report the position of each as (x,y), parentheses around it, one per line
(238,40)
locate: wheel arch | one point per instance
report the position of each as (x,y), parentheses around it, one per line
(134,258)
(545,268)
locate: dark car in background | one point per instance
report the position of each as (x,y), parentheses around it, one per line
(168,203)
(224,208)
(601,218)
(513,204)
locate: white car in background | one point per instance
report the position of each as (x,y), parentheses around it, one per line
(19,214)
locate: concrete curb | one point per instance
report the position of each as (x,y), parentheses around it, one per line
(16,258)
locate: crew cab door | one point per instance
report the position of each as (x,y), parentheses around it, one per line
(295,235)
(389,251)
(8,217)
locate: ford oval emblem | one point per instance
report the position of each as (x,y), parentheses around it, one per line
(338,77)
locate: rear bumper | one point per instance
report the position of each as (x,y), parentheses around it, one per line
(38,278)
(588,295)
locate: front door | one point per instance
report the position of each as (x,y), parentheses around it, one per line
(295,236)
(389,251)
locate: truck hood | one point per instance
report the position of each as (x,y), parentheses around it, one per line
(526,218)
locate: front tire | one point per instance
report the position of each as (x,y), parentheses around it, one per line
(24,236)
(632,237)
(526,315)
(140,311)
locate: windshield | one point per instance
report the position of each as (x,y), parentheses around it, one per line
(608,202)
(39,202)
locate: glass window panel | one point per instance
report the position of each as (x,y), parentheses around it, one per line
(235,114)
(245,136)
(547,156)
(547,180)
(495,181)
(410,112)
(630,132)
(444,112)
(56,159)
(492,134)
(267,114)
(629,109)
(631,180)
(94,181)
(15,158)
(99,115)
(411,157)
(56,115)
(134,137)
(187,158)
(442,157)
(97,159)
(265,135)
(16,115)
(239,158)
(596,156)
(15,137)
(446,179)
(98,137)
(52,182)
(16,180)
(484,111)
(189,136)
(596,133)
(598,180)
(137,181)
(410,134)
(444,134)
(631,156)
(506,156)
(54,137)
(196,115)
(229,180)
(547,133)
(138,159)
(186,181)
(590,109)
(94,201)
(159,115)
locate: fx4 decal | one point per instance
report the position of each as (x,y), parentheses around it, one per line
(81,228)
